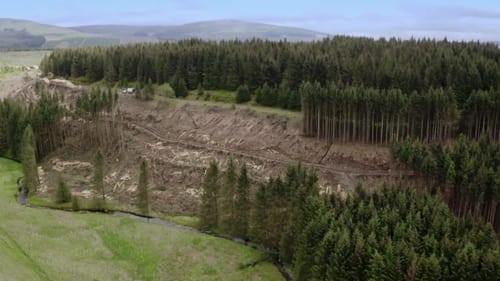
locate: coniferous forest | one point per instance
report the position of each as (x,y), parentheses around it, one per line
(466,171)
(45,117)
(351,89)
(436,102)
(392,234)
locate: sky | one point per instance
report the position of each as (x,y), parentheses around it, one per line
(454,19)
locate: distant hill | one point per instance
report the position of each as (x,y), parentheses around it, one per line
(55,37)
(19,39)
(208,30)
(24,34)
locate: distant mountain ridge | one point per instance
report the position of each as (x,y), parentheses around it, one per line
(55,36)
(207,30)
(25,34)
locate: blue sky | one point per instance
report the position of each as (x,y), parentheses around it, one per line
(458,19)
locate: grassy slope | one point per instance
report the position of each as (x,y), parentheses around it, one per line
(228,98)
(42,244)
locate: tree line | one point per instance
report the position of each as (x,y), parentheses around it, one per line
(350,89)
(391,234)
(43,116)
(408,65)
(355,113)
(467,171)
(97,121)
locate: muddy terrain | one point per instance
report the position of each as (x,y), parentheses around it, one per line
(180,140)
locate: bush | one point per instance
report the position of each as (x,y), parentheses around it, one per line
(63,195)
(243,94)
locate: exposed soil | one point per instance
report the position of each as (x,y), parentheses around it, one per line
(180,141)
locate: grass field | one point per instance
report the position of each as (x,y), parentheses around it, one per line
(293,115)
(39,244)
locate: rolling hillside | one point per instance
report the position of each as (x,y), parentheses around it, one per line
(55,37)
(208,30)
(23,34)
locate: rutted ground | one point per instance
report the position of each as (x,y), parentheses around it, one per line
(38,244)
(180,140)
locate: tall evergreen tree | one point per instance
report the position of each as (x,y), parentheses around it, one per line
(28,160)
(98,180)
(258,226)
(209,199)
(179,86)
(226,206)
(142,189)
(242,205)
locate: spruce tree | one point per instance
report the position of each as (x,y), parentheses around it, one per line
(179,86)
(242,205)
(243,94)
(199,90)
(142,189)
(258,225)
(63,194)
(309,240)
(148,92)
(428,268)
(28,160)
(226,209)
(98,181)
(209,197)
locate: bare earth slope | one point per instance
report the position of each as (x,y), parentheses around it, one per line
(181,139)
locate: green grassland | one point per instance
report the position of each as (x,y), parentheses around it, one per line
(40,244)
(227,99)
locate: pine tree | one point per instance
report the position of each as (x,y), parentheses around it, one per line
(199,90)
(209,198)
(310,239)
(226,206)
(428,268)
(243,94)
(258,226)
(242,205)
(179,86)
(63,195)
(142,189)
(28,160)
(98,181)
(148,92)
